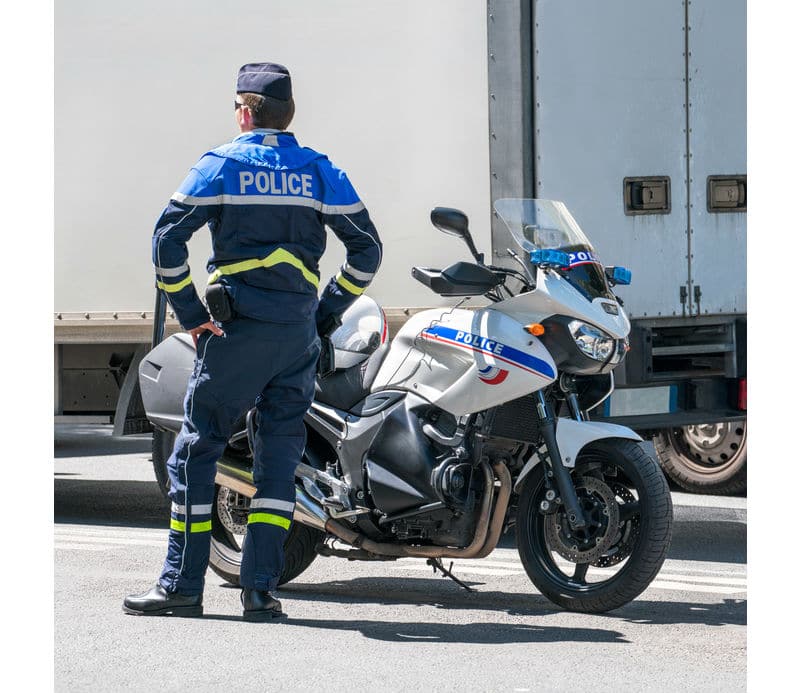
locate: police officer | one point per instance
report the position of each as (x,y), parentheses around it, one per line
(267,201)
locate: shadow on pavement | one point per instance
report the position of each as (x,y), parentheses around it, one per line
(88,444)
(122,503)
(719,542)
(437,593)
(465,633)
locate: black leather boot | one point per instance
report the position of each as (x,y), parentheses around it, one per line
(158,602)
(260,606)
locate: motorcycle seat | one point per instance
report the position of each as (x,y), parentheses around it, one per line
(347,387)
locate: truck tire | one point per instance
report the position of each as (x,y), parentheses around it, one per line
(229,522)
(708,458)
(163,442)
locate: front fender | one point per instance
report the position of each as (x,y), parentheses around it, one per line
(572,436)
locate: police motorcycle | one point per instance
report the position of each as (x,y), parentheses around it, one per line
(469,423)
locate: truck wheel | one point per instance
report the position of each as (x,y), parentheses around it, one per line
(228,525)
(163,442)
(707,458)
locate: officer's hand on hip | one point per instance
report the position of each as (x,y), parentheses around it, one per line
(197,331)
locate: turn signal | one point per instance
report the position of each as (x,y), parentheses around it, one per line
(536,329)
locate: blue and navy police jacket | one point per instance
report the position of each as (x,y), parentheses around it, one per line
(267,202)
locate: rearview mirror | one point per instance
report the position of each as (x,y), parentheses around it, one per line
(455,223)
(451,221)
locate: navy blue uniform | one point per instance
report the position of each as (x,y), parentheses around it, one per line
(267,202)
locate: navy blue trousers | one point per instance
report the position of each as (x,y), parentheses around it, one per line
(271,366)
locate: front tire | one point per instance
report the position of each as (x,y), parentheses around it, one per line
(626,500)
(707,458)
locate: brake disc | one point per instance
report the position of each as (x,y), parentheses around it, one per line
(600,509)
(622,546)
(232,509)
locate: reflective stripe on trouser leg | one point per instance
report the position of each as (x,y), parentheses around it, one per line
(192,468)
(280,439)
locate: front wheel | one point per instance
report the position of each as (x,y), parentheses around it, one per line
(628,508)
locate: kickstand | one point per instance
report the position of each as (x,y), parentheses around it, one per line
(437,564)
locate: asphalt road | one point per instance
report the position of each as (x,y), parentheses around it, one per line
(377,626)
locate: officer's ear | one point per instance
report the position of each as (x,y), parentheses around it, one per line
(244,118)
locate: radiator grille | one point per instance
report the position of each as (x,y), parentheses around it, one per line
(516,420)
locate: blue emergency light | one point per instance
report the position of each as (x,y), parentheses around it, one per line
(621,275)
(550,257)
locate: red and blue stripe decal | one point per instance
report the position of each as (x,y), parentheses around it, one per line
(491,375)
(495,349)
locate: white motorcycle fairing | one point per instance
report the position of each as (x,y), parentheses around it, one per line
(572,436)
(465,361)
(554,295)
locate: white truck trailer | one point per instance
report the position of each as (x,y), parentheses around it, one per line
(632,113)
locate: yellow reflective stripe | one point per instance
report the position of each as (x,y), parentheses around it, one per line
(270,519)
(179,526)
(274,258)
(352,288)
(172,288)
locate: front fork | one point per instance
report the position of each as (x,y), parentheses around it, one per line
(554,466)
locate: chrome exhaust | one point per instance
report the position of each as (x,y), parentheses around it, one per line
(306,510)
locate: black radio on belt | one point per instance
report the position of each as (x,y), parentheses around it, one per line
(219,303)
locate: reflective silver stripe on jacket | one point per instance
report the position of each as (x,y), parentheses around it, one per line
(357,274)
(172,271)
(292,200)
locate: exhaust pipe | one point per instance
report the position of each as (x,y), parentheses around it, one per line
(308,512)
(239,479)
(399,550)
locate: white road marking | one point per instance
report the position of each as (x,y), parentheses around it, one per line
(111,541)
(500,563)
(78,547)
(110,532)
(689,587)
(697,578)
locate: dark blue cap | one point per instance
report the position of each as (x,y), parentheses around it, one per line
(267,79)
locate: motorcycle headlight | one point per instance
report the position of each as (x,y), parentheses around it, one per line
(596,344)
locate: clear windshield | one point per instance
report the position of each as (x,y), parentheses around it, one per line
(543,224)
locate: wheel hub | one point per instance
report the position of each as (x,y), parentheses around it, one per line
(622,545)
(713,444)
(601,512)
(233,509)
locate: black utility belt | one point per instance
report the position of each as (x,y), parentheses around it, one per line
(219,303)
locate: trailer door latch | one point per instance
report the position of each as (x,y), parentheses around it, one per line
(646,195)
(726,193)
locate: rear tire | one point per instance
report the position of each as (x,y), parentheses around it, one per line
(228,525)
(229,522)
(163,443)
(710,458)
(632,538)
